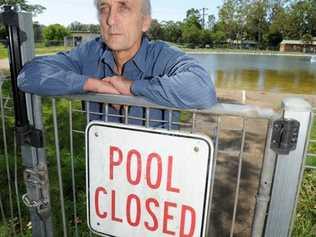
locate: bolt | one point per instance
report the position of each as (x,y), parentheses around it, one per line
(96,134)
(196,149)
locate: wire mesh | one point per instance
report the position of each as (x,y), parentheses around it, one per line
(232,143)
(239,149)
(13,213)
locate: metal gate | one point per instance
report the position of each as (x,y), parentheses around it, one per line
(254,190)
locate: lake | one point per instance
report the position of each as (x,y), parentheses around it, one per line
(261,72)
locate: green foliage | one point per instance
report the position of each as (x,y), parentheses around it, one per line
(155,31)
(171,31)
(262,21)
(34,8)
(77,26)
(55,33)
(3,51)
(306,211)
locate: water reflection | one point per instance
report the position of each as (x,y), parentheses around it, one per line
(268,73)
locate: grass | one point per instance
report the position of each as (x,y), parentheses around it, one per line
(305,223)
(40,49)
(3,52)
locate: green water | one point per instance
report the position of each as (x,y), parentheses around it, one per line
(262,73)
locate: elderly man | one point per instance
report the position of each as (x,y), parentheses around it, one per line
(123,61)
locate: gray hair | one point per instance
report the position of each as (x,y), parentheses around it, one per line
(146,8)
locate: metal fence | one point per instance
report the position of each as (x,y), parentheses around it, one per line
(254,191)
(243,202)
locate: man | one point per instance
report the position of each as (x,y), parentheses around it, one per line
(123,61)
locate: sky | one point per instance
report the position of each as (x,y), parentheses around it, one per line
(66,11)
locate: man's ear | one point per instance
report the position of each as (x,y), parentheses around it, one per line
(146,23)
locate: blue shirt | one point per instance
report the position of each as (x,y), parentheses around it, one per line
(160,73)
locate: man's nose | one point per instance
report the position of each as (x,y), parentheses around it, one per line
(112,17)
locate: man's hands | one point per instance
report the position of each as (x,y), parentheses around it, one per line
(120,84)
(110,85)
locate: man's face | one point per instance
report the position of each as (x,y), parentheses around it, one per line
(122,24)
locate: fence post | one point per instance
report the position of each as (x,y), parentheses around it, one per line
(41,215)
(288,172)
(29,124)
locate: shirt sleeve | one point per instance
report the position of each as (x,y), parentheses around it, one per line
(185,84)
(59,74)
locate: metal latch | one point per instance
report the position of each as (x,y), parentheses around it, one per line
(29,135)
(35,180)
(284,136)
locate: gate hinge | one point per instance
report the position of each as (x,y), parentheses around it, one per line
(29,135)
(284,136)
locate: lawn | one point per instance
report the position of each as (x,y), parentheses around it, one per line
(305,224)
(39,50)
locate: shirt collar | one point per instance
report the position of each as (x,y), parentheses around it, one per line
(139,58)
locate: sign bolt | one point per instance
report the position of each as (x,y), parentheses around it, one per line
(196,149)
(96,134)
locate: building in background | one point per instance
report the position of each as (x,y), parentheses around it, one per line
(298,46)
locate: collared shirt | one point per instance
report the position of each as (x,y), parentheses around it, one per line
(160,73)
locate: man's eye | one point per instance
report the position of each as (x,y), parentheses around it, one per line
(105,10)
(123,7)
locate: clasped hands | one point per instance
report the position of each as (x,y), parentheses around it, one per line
(118,85)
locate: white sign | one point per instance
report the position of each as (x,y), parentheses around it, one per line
(147,182)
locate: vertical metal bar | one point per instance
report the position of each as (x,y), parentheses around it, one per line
(147,123)
(264,190)
(88,120)
(218,129)
(241,154)
(106,110)
(170,120)
(60,180)
(4,219)
(87,112)
(6,160)
(126,114)
(17,193)
(43,221)
(193,123)
(73,168)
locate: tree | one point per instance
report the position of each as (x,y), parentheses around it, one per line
(172,31)
(35,8)
(302,18)
(192,28)
(155,31)
(227,19)
(77,26)
(191,35)
(210,22)
(54,34)
(256,21)
(193,18)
